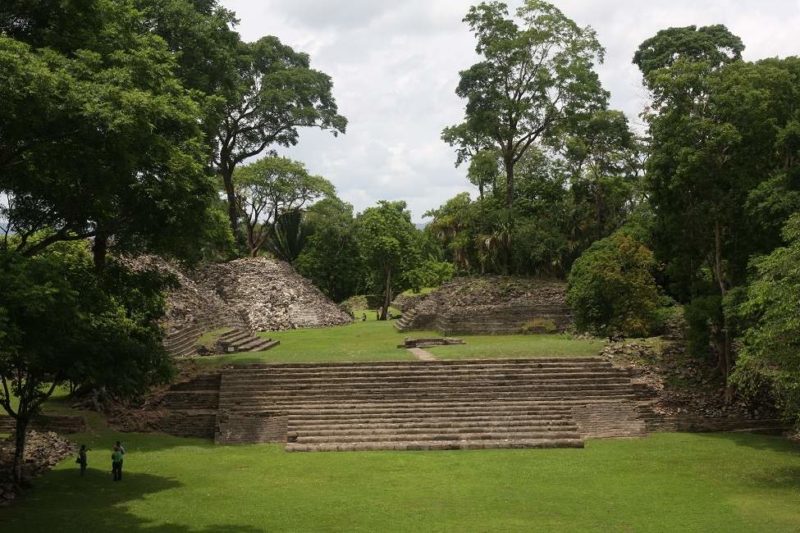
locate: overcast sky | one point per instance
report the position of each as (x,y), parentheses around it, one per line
(395,67)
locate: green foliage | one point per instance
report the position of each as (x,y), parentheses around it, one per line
(390,246)
(612,290)
(723,170)
(429,273)
(100,137)
(770,352)
(535,76)
(61,322)
(276,92)
(703,314)
(331,257)
(270,194)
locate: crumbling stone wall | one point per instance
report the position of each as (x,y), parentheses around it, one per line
(492,305)
(270,296)
(252,294)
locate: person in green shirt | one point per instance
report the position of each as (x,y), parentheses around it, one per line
(116,463)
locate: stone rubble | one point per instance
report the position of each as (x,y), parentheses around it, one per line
(681,383)
(493,290)
(258,294)
(43,451)
(270,296)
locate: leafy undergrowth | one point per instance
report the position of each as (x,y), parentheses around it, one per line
(667,482)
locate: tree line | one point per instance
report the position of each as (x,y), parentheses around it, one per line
(132,126)
(696,215)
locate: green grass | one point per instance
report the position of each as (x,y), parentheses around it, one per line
(510,346)
(667,482)
(359,341)
(377,341)
(209,338)
(422,291)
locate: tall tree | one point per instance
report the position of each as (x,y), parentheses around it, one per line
(117,155)
(537,73)
(331,257)
(716,150)
(277,92)
(390,246)
(60,322)
(270,188)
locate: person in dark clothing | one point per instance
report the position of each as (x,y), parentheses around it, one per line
(116,463)
(82,460)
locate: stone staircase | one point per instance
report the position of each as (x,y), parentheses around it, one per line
(240,340)
(417,405)
(406,321)
(181,341)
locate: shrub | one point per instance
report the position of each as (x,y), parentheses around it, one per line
(612,291)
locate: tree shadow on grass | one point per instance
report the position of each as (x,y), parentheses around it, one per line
(758,441)
(779,477)
(64,501)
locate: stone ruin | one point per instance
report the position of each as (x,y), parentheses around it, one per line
(490,305)
(257,294)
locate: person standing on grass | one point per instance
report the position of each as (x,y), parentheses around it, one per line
(82,460)
(116,462)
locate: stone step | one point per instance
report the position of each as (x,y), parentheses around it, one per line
(441,412)
(401,385)
(400,377)
(250,344)
(423,374)
(443,407)
(447,426)
(419,364)
(436,445)
(436,416)
(234,335)
(287,408)
(467,389)
(422,394)
(411,435)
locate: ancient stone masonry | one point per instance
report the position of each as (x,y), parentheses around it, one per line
(491,305)
(680,393)
(43,451)
(270,296)
(191,309)
(248,294)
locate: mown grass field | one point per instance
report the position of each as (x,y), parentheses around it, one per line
(666,482)
(377,341)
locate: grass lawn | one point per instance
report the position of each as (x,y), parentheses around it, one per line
(377,341)
(491,346)
(666,482)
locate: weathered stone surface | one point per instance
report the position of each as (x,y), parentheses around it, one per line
(681,393)
(251,294)
(43,451)
(491,305)
(270,296)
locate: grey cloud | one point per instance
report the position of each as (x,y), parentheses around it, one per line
(395,67)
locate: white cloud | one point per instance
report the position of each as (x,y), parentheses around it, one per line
(395,68)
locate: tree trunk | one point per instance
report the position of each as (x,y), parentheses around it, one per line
(19,449)
(725,355)
(508,162)
(100,250)
(387,295)
(230,192)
